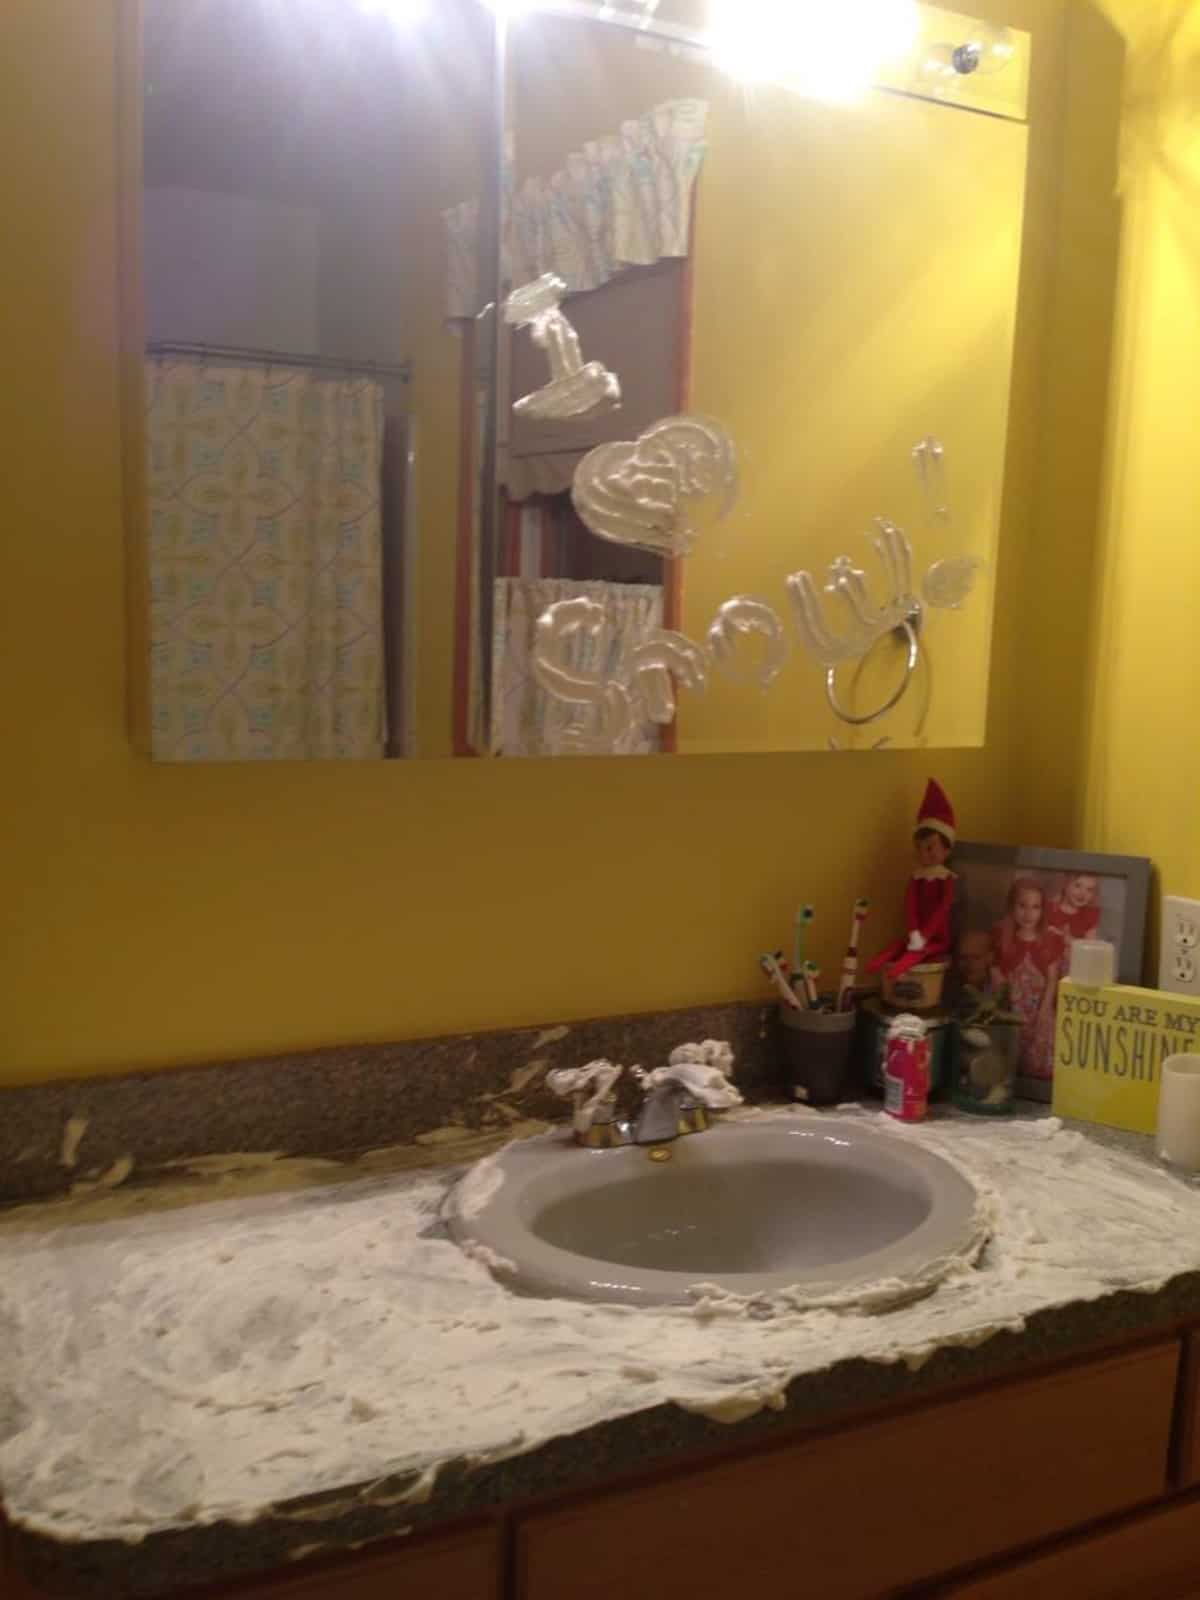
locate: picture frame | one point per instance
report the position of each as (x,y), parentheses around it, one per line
(1004,937)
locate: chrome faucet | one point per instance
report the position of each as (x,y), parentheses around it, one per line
(678,1098)
(660,1117)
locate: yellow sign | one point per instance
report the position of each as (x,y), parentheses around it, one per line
(1109,1046)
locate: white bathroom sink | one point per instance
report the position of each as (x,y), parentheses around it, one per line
(813,1208)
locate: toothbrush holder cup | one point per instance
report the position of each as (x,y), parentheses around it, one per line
(814,1054)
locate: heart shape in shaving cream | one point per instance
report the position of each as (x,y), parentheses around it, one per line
(642,492)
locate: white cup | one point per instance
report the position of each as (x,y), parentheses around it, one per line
(1179,1113)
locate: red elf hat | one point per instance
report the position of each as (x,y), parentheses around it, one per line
(936,812)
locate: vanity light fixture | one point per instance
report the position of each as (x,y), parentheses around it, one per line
(987,48)
(641,11)
(828,49)
(403,11)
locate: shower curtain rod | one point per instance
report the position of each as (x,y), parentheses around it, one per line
(280,358)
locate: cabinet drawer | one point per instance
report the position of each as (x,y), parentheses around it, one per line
(879,1505)
(1156,1557)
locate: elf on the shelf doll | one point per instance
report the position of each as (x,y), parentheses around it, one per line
(929,901)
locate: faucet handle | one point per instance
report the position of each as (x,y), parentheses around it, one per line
(589,1089)
(703,1083)
(708,1052)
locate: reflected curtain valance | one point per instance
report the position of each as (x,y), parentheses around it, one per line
(623,200)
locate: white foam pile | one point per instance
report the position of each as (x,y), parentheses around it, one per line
(173,1359)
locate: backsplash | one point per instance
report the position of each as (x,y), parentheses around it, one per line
(436,1092)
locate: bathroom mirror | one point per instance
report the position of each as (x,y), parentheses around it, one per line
(303,386)
(830,277)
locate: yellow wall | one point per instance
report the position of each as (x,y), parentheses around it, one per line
(163,914)
(1143,757)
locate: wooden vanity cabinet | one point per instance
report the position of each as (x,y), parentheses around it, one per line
(872,1509)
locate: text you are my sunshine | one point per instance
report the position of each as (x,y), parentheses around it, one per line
(1123,1039)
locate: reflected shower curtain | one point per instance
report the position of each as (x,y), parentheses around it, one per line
(265,563)
(526,721)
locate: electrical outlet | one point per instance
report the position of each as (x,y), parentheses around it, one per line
(1179,957)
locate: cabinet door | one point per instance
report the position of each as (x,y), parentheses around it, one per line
(877,1506)
(1188,1460)
(1156,1557)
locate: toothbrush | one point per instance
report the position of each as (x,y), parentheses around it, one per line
(811,973)
(774,972)
(771,967)
(850,959)
(803,917)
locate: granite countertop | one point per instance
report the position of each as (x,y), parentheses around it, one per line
(106,1249)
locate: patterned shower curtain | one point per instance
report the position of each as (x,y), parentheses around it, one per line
(265,563)
(526,721)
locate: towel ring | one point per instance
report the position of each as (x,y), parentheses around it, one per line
(908,629)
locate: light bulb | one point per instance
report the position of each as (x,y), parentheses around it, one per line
(830,49)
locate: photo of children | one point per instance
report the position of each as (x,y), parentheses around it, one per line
(1075,909)
(1017,926)
(1028,959)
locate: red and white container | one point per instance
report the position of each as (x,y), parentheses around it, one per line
(906,1069)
